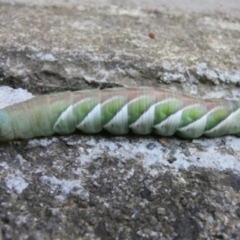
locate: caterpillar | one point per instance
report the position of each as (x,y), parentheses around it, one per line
(118,110)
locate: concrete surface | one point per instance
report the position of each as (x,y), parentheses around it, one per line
(107,187)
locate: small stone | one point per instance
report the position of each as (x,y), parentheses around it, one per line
(209,219)
(172,159)
(140,155)
(151,35)
(161,211)
(151,146)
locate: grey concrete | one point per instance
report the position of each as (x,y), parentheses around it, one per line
(106,187)
(229,7)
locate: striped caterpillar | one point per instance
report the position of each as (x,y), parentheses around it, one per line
(141,110)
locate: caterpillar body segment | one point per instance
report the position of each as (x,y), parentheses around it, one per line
(140,110)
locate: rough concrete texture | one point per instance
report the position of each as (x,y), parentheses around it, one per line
(131,187)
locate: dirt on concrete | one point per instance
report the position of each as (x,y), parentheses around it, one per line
(126,187)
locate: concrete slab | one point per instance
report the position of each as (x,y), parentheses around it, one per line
(107,187)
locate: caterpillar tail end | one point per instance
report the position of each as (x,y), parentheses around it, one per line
(6,132)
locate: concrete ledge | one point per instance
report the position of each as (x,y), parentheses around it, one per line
(106,187)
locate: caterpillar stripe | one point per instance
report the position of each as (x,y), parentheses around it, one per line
(118,110)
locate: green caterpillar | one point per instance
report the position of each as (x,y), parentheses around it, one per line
(118,110)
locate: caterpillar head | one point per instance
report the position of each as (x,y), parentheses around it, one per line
(6,131)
